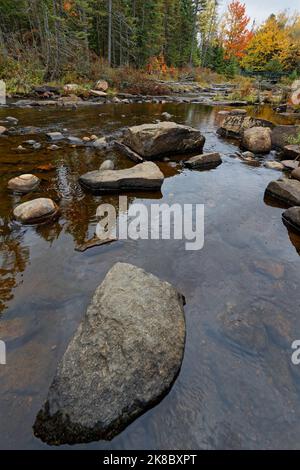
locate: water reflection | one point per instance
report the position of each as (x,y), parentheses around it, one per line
(237,388)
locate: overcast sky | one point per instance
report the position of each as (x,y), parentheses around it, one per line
(261,9)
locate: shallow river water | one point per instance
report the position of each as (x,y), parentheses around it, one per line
(238,387)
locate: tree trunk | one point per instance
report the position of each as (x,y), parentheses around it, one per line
(109,31)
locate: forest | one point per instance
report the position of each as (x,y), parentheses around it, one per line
(50,40)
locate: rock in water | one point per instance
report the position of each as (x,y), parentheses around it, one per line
(285,190)
(123,359)
(23,184)
(296,174)
(207,160)
(3,130)
(154,140)
(273,165)
(291,218)
(292,151)
(235,125)
(290,164)
(107,165)
(281,135)
(145,176)
(55,136)
(257,139)
(36,211)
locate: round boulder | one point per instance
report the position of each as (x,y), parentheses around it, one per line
(107,165)
(36,211)
(23,184)
(257,139)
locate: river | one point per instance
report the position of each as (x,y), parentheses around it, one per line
(238,387)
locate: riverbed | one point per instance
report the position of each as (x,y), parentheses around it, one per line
(237,387)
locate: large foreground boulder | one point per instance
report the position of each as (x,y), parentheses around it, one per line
(23,184)
(154,140)
(291,218)
(123,359)
(257,139)
(235,124)
(207,160)
(287,191)
(36,211)
(145,176)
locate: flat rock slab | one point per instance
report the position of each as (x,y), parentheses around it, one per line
(287,191)
(292,151)
(291,218)
(123,359)
(36,211)
(23,184)
(145,176)
(55,136)
(273,165)
(207,160)
(290,164)
(155,140)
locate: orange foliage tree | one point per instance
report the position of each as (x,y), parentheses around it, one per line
(235,33)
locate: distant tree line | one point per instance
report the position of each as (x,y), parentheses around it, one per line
(62,35)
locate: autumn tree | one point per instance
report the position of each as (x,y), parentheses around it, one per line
(235,33)
(269,47)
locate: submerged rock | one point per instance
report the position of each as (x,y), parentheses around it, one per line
(36,211)
(291,218)
(23,183)
(167,116)
(154,140)
(107,165)
(207,160)
(257,139)
(3,130)
(285,190)
(123,359)
(145,176)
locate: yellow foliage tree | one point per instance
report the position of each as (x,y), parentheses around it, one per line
(271,43)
